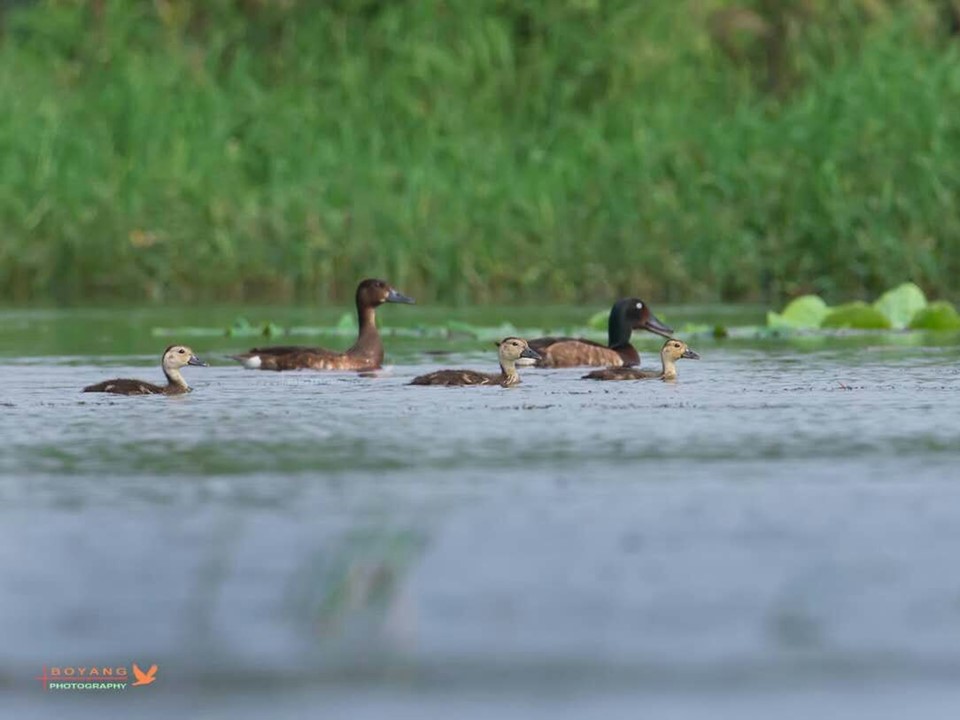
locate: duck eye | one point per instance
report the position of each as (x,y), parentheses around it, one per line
(181,351)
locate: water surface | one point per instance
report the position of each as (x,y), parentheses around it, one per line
(775,534)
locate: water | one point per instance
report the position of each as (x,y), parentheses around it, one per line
(773,536)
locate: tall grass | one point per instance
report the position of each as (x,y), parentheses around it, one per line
(473,150)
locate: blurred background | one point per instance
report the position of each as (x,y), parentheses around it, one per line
(477,150)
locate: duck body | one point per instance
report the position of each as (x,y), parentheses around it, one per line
(671,351)
(460,377)
(295,357)
(510,350)
(623,373)
(365,354)
(626,315)
(562,352)
(174,358)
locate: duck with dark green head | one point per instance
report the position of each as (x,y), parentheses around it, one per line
(626,315)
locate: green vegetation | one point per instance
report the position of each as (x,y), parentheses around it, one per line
(905,306)
(478,150)
(938,315)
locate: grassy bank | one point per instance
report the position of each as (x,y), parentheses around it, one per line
(476,150)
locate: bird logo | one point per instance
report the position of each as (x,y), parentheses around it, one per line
(144,678)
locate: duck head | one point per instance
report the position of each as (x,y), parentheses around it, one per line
(373,292)
(640,317)
(177,356)
(673,350)
(514,348)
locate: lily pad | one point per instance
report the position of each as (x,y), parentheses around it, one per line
(457,328)
(806,311)
(939,315)
(901,304)
(599,320)
(856,315)
(346,322)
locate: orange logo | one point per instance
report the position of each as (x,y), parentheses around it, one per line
(95,677)
(144,678)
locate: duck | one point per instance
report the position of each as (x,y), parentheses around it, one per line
(510,350)
(174,358)
(671,351)
(365,354)
(626,315)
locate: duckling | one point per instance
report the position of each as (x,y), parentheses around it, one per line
(626,315)
(174,358)
(671,351)
(365,354)
(510,350)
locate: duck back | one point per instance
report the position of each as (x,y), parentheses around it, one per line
(123,386)
(571,352)
(458,378)
(305,358)
(622,373)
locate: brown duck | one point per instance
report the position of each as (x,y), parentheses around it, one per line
(365,354)
(626,315)
(510,350)
(174,358)
(671,351)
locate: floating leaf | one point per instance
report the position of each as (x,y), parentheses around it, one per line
(457,328)
(856,315)
(346,322)
(240,327)
(939,315)
(806,311)
(901,304)
(690,329)
(598,321)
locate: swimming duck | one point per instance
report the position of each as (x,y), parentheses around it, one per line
(174,358)
(510,350)
(671,351)
(626,315)
(365,354)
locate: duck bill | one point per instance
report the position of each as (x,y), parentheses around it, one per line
(194,360)
(530,353)
(396,297)
(652,324)
(690,355)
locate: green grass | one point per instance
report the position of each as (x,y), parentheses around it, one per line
(472,151)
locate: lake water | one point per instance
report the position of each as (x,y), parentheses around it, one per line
(775,535)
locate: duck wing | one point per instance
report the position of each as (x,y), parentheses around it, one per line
(289,357)
(541,344)
(557,352)
(622,373)
(457,377)
(123,386)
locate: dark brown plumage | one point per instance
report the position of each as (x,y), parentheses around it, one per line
(365,354)
(671,351)
(510,350)
(174,358)
(626,315)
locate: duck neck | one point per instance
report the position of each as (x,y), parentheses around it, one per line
(175,379)
(618,328)
(508,373)
(368,340)
(669,368)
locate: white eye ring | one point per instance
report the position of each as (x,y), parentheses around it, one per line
(639,306)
